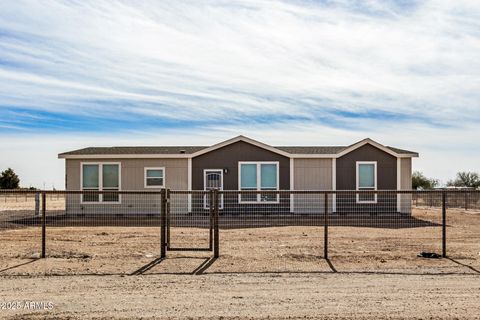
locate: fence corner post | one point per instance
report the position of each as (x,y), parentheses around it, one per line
(216,243)
(325,227)
(444,224)
(167,213)
(44,225)
(163,220)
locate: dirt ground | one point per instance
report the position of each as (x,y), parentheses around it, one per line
(107,270)
(246,296)
(74,246)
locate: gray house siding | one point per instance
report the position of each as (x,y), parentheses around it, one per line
(228,157)
(386,180)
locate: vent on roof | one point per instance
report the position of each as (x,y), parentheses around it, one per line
(182,151)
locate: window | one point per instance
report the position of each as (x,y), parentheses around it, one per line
(100,177)
(258,176)
(248,181)
(366,180)
(90,182)
(154,177)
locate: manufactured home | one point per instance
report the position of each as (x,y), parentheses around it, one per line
(241,163)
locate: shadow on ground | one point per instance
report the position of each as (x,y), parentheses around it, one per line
(195,265)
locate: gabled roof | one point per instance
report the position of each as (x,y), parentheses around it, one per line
(364,142)
(244,139)
(194,151)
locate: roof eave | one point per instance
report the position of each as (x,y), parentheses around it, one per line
(124,156)
(408,155)
(187,156)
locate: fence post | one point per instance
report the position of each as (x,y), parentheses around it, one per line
(44,224)
(211,212)
(325,227)
(163,220)
(37,204)
(167,214)
(216,243)
(444,224)
(466,200)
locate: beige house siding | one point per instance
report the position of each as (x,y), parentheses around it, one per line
(406,184)
(311,174)
(406,174)
(132,179)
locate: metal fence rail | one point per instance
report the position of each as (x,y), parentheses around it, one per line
(465,199)
(131,232)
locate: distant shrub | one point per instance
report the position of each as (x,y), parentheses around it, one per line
(9,179)
(466,179)
(419,181)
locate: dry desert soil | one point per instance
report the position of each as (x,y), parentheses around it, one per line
(110,269)
(247,296)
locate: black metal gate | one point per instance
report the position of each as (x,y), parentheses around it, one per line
(187,223)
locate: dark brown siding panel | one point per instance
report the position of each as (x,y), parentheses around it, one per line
(228,158)
(386,180)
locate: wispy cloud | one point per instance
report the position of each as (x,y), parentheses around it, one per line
(347,66)
(220,59)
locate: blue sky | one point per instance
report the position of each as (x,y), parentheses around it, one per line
(87,73)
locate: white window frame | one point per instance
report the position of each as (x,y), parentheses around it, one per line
(259,177)
(100,182)
(358,180)
(205,206)
(145,177)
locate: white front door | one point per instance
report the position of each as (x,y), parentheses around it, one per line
(212,179)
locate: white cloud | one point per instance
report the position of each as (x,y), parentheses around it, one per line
(229,55)
(411,71)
